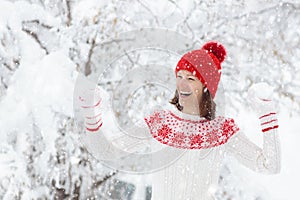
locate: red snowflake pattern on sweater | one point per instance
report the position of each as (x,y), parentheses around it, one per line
(154,118)
(164,132)
(196,141)
(170,129)
(212,138)
(178,139)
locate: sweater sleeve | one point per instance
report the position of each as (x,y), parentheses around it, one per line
(264,160)
(101,128)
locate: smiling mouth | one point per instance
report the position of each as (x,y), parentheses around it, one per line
(185,94)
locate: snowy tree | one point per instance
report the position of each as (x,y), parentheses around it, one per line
(46,44)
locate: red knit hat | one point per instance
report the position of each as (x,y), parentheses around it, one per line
(205,64)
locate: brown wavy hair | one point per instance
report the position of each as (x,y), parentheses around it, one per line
(207,106)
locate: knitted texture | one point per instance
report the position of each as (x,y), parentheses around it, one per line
(174,131)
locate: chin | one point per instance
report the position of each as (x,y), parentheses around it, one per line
(188,101)
(185,102)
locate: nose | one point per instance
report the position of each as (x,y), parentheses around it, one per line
(184,84)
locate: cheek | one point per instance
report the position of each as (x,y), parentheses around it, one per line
(198,89)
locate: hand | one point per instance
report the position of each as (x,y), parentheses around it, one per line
(260,97)
(90,104)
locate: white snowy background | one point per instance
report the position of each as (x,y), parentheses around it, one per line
(44,45)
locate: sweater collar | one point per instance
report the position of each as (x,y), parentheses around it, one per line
(186,116)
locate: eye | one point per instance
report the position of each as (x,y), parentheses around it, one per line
(179,76)
(192,79)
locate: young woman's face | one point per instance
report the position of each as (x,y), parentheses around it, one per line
(189,88)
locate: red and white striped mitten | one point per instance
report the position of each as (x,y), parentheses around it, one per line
(91,103)
(260,96)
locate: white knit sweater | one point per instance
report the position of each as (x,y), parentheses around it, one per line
(194,175)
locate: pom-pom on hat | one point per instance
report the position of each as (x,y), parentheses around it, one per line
(205,64)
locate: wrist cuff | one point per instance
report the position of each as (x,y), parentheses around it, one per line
(268,121)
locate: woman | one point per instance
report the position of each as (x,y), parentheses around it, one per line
(192,125)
